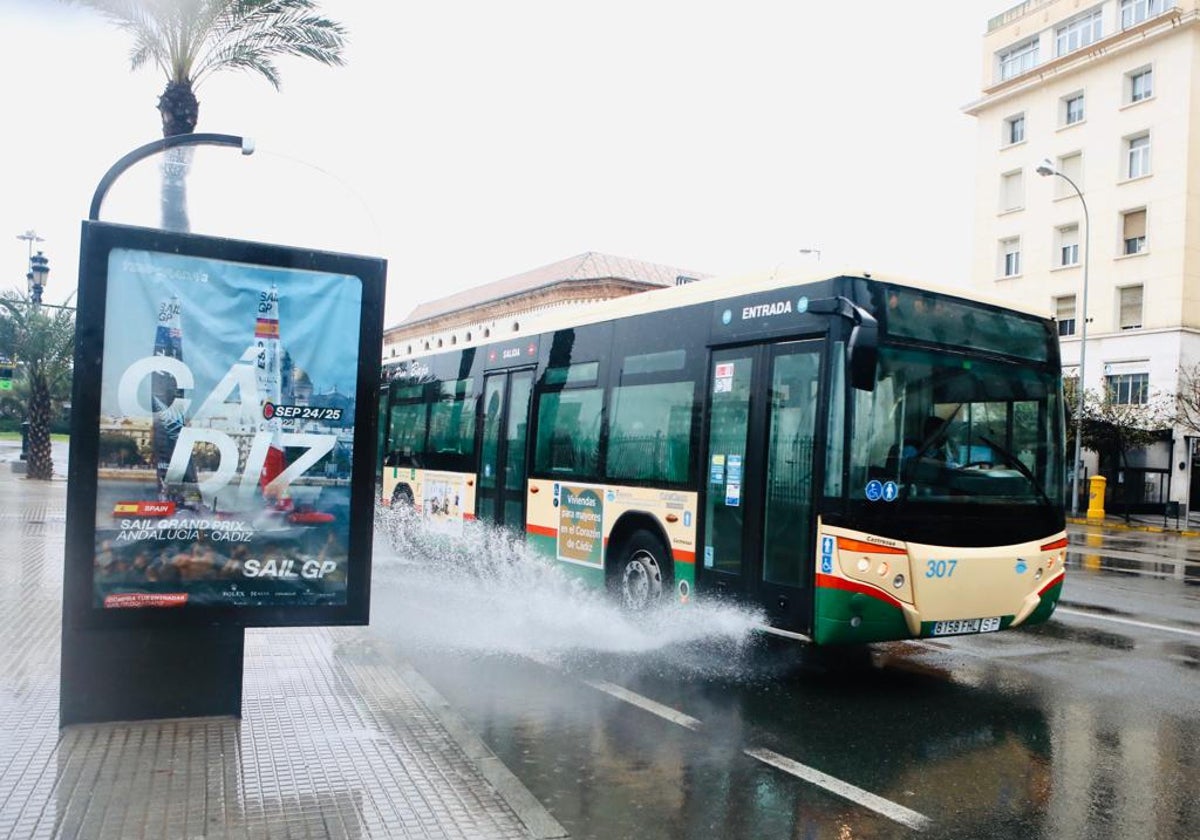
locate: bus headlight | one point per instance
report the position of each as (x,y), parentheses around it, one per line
(898,581)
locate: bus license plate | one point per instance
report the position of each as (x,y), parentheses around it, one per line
(966,625)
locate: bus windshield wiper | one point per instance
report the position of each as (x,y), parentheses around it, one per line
(1020,467)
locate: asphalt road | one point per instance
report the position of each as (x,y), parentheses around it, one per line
(689,724)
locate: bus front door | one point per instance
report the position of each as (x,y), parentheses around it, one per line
(758,506)
(500,492)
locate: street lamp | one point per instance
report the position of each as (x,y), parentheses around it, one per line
(39,270)
(1046,168)
(816,251)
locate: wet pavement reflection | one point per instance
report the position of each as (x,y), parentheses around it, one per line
(1088,726)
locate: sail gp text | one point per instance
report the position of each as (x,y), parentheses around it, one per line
(286,569)
(240,379)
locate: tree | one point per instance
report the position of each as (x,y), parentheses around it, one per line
(189,40)
(1187,399)
(43,346)
(1114,429)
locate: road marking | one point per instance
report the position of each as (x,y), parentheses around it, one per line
(654,708)
(1147,625)
(866,799)
(884,807)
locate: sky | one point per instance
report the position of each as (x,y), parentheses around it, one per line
(466,142)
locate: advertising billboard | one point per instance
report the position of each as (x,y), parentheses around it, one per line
(224,431)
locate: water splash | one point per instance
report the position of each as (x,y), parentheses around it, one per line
(486,590)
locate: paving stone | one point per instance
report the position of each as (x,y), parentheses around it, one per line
(332,743)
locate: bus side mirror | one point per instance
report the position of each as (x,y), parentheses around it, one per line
(862,353)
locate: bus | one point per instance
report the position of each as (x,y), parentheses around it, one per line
(861,459)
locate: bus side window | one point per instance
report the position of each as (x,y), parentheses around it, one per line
(568,431)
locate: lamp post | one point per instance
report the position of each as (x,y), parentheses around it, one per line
(1045,169)
(816,251)
(30,236)
(39,270)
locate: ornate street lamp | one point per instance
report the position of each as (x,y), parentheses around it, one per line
(39,271)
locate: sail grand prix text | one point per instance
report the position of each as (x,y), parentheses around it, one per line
(136,530)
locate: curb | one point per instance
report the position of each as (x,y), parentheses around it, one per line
(1123,526)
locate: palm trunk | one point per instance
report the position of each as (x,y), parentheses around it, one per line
(179,109)
(40,464)
(174,212)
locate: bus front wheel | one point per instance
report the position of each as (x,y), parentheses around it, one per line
(641,573)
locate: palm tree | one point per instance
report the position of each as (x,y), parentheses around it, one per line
(190,40)
(43,347)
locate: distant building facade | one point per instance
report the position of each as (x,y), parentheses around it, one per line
(1104,90)
(496,309)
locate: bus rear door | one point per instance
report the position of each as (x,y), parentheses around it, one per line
(758,500)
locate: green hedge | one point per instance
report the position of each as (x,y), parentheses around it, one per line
(13,425)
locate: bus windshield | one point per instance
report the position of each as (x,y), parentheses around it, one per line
(949,432)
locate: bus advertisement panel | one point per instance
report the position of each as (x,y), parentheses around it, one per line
(231,431)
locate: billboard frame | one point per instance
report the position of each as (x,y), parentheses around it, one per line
(98,240)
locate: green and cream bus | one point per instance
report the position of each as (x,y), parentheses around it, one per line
(862,459)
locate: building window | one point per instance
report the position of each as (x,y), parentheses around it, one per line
(1129,303)
(1064,313)
(1068,245)
(1137,156)
(1133,231)
(1016,60)
(1128,388)
(1072,109)
(1010,257)
(1014,130)
(1070,165)
(1077,33)
(1139,84)
(1012,191)
(1135,11)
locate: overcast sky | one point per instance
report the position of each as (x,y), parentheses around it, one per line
(469,141)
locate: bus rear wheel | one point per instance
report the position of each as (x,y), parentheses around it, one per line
(641,573)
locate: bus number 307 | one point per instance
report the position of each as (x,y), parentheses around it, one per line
(940,568)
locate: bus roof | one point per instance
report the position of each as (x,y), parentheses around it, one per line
(711,289)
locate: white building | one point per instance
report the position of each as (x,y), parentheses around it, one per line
(1104,90)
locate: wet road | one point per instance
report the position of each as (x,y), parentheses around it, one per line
(689,725)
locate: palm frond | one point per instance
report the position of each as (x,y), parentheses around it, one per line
(254,32)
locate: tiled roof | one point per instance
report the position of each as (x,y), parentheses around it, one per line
(588,266)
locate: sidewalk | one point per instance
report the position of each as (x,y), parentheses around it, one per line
(337,738)
(1115,521)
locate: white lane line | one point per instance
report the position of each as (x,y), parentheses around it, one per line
(866,799)
(884,807)
(1145,624)
(654,708)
